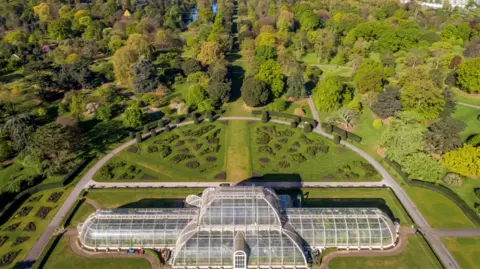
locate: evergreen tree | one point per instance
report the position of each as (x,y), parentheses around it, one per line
(296,85)
(145,76)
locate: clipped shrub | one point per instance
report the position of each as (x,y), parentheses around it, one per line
(307,128)
(277,147)
(293,124)
(474,141)
(265,116)
(131,135)
(192,164)
(211,159)
(164,151)
(353,137)
(181,157)
(283,164)
(263,138)
(329,129)
(160,124)
(453,179)
(292,150)
(145,128)
(283,140)
(153,133)
(266,149)
(343,134)
(377,124)
(138,137)
(209,116)
(167,128)
(296,144)
(178,119)
(152,148)
(337,139)
(196,120)
(298,157)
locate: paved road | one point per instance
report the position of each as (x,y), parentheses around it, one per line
(433,239)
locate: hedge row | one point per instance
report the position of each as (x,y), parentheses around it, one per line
(6,211)
(329,128)
(438,188)
(295,118)
(195,116)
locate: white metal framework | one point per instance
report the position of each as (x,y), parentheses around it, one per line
(238,227)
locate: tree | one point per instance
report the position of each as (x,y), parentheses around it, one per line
(76,106)
(423,166)
(219,92)
(345,117)
(369,77)
(145,76)
(123,59)
(443,136)
(468,75)
(465,160)
(190,66)
(271,73)
(210,52)
(422,97)
(285,20)
(104,112)
(140,44)
(60,29)
(133,115)
(455,62)
(264,53)
(5,149)
(18,127)
(473,49)
(328,94)
(254,92)
(401,139)
(296,85)
(195,95)
(387,103)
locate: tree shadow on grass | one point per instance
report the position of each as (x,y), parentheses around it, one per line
(99,135)
(236,74)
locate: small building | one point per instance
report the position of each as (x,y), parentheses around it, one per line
(239,227)
(127,13)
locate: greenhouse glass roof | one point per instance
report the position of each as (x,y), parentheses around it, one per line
(225,221)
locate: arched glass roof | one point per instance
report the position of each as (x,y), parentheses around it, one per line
(209,232)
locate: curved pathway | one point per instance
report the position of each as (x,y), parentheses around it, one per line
(399,248)
(472,106)
(77,250)
(86,181)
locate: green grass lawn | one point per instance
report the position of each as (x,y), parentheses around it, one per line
(41,224)
(303,104)
(469,116)
(189,153)
(81,215)
(382,198)
(439,211)
(463,97)
(465,251)
(63,258)
(238,160)
(416,255)
(370,135)
(466,192)
(282,153)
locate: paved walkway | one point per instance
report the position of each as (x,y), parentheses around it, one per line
(399,248)
(472,106)
(434,240)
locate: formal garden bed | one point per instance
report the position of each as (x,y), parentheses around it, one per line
(25,211)
(8,258)
(43,212)
(279,149)
(189,153)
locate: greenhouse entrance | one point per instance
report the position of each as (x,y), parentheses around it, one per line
(239,228)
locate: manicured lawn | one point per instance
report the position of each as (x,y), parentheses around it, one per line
(282,153)
(40,224)
(463,97)
(416,255)
(238,166)
(370,135)
(63,258)
(382,198)
(189,153)
(465,250)
(303,103)
(81,215)
(439,211)
(466,192)
(139,198)
(469,116)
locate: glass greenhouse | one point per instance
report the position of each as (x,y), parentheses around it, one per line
(238,227)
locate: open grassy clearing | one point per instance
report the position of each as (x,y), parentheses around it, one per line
(27,213)
(471,117)
(464,250)
(238,165)
(463,97)
(80,215)
(416,255)
(280,152)
(190,153)
(63,258)
(382,198)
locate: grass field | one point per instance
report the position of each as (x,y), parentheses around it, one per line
(382,198)
(465,251)
(283,153)
(416,255)
(238,160)
(40,224)
(81,215)
(195,153)
(150,198)
(470,116)
(463,97)
(63,258)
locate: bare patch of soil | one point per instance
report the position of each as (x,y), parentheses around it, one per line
(221,176)
(147,177)
(264,160)
(328,177)
(133,149)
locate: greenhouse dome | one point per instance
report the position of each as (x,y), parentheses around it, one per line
(238,227)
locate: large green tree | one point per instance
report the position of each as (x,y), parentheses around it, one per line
(328,94)
(465,160)
(369,77)
(296,85)
(133,115)
(271,72)
(144,76)
(468,75)
(254,92)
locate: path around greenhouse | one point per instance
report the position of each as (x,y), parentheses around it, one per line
(388,181)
